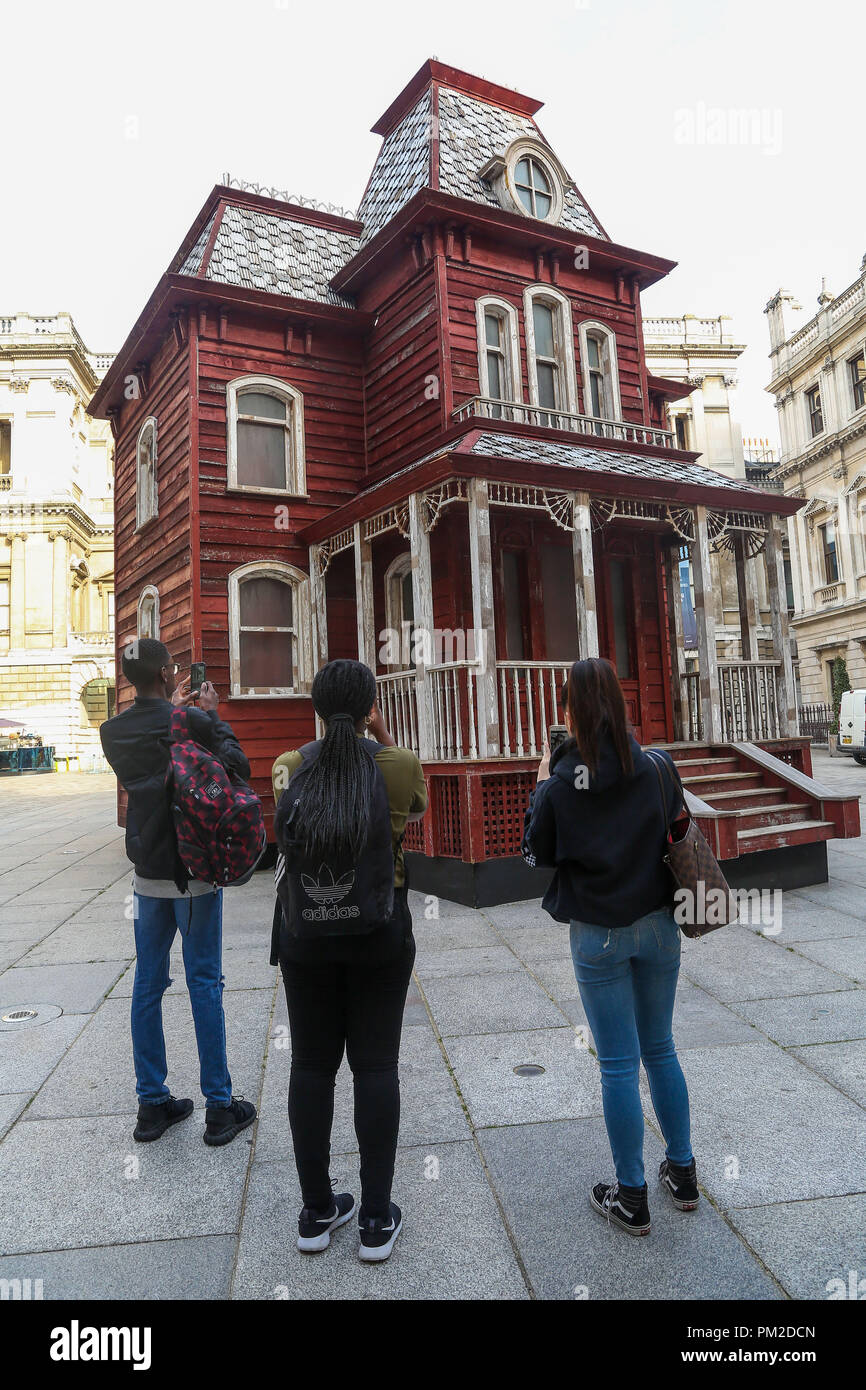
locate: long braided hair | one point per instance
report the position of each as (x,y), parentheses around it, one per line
(332,819)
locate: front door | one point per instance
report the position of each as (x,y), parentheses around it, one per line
(632,627)
(618,634)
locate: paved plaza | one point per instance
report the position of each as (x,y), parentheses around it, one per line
(494,1166)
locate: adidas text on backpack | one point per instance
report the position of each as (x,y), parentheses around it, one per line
(218,819)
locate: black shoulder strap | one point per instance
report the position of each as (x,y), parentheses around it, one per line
(660,776)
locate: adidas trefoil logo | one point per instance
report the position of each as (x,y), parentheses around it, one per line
(325,889)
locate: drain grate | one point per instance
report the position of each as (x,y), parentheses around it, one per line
(529,1069)
(27,1015)
(20,1015)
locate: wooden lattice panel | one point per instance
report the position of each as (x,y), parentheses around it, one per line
(504,798)
(445,795)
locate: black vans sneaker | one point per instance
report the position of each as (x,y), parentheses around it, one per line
(378,1236)
(681,1183)
(622,1206)
(223,1122)
(315,1227)
(154,1120)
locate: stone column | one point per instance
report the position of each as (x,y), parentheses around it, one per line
(584,578)
(481,568)
(16,592)
(711,712)
(60,589)
(786,699)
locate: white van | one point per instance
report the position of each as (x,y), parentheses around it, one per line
(852,724)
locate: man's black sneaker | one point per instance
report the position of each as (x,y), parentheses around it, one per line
(681,1183)
(315,1227)
(223,1122)
(622,1206)
(154,1120)
(378,1235)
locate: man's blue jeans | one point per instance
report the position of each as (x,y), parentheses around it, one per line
(627,978)
(156,921)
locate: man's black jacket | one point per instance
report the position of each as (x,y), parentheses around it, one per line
(136,744)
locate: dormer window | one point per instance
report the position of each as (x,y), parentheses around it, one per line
(533,186)
(528,179)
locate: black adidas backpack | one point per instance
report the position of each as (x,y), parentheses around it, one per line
(343,899)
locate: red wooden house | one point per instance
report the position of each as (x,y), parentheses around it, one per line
(427,436)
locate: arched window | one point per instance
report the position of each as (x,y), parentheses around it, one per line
(400,609)
(146,485)
(269,630)
(600,372)
(148,612)
(499,375)
(549,351)
(265,445)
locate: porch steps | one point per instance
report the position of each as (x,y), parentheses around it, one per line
(753,801)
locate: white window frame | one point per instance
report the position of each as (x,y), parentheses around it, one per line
(818,386)
(296,468)
(146,501)
(149,593)
(499,171)
(508,315)
(396,572)
(591,328)
(565,352)
(301,629)
(859,351)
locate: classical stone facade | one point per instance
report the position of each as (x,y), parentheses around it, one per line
(818,377)
(703,353)
(56,536)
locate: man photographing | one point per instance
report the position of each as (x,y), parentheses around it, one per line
(136,744)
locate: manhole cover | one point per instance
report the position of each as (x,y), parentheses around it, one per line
(529,1069)
(27,1015)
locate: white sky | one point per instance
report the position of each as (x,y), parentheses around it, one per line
(284,93)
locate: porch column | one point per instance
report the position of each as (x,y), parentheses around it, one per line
(364,599)
(786,699)
(318,609)
(481,569)
(747,598)
(584,577)
(676,641)
(422,602)
(711,713)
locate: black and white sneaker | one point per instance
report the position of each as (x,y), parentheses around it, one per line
(315,1227)
(378,1236)
(681,1183)
(626,1207)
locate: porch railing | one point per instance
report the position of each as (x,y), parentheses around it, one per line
(453,733)
(398,701)
(693,731)
(521,413)
(528,704)
(747,691)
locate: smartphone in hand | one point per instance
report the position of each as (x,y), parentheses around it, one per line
(197,676)
(556,734)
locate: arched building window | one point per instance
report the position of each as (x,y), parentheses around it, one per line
(265,444)
(148,612)
(549,350)
(146,482)
(269,630)
(600,371)
(498,334)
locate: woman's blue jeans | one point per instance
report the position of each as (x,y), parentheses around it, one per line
(156,923)
(627,978)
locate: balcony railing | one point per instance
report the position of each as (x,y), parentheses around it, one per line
(398,701)
(97,638)
(518,412)
(453,709)
(828,593)
(528,704)
(6,482)
(749,707)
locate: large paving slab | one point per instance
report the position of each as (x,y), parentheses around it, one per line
(244,967)
(808,1018)
(30,1053)
(763,1125)
(11,1106)
(72,1182)
(472,960)
(844,1064)
(490,1004)
(845,955)
(74,988)
(811,1247)
(198,1267)
(735,964)
(569,1085)
(453,1244)
(543,1174)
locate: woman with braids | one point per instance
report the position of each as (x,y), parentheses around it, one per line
(343,804)
(596,816)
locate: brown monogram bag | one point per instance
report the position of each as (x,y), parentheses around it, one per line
(703,898)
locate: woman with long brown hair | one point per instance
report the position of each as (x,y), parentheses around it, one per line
(596,816)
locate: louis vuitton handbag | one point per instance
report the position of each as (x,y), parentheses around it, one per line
(702,896)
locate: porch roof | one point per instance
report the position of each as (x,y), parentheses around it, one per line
(518,458)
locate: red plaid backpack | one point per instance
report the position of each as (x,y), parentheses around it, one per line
(218,819)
